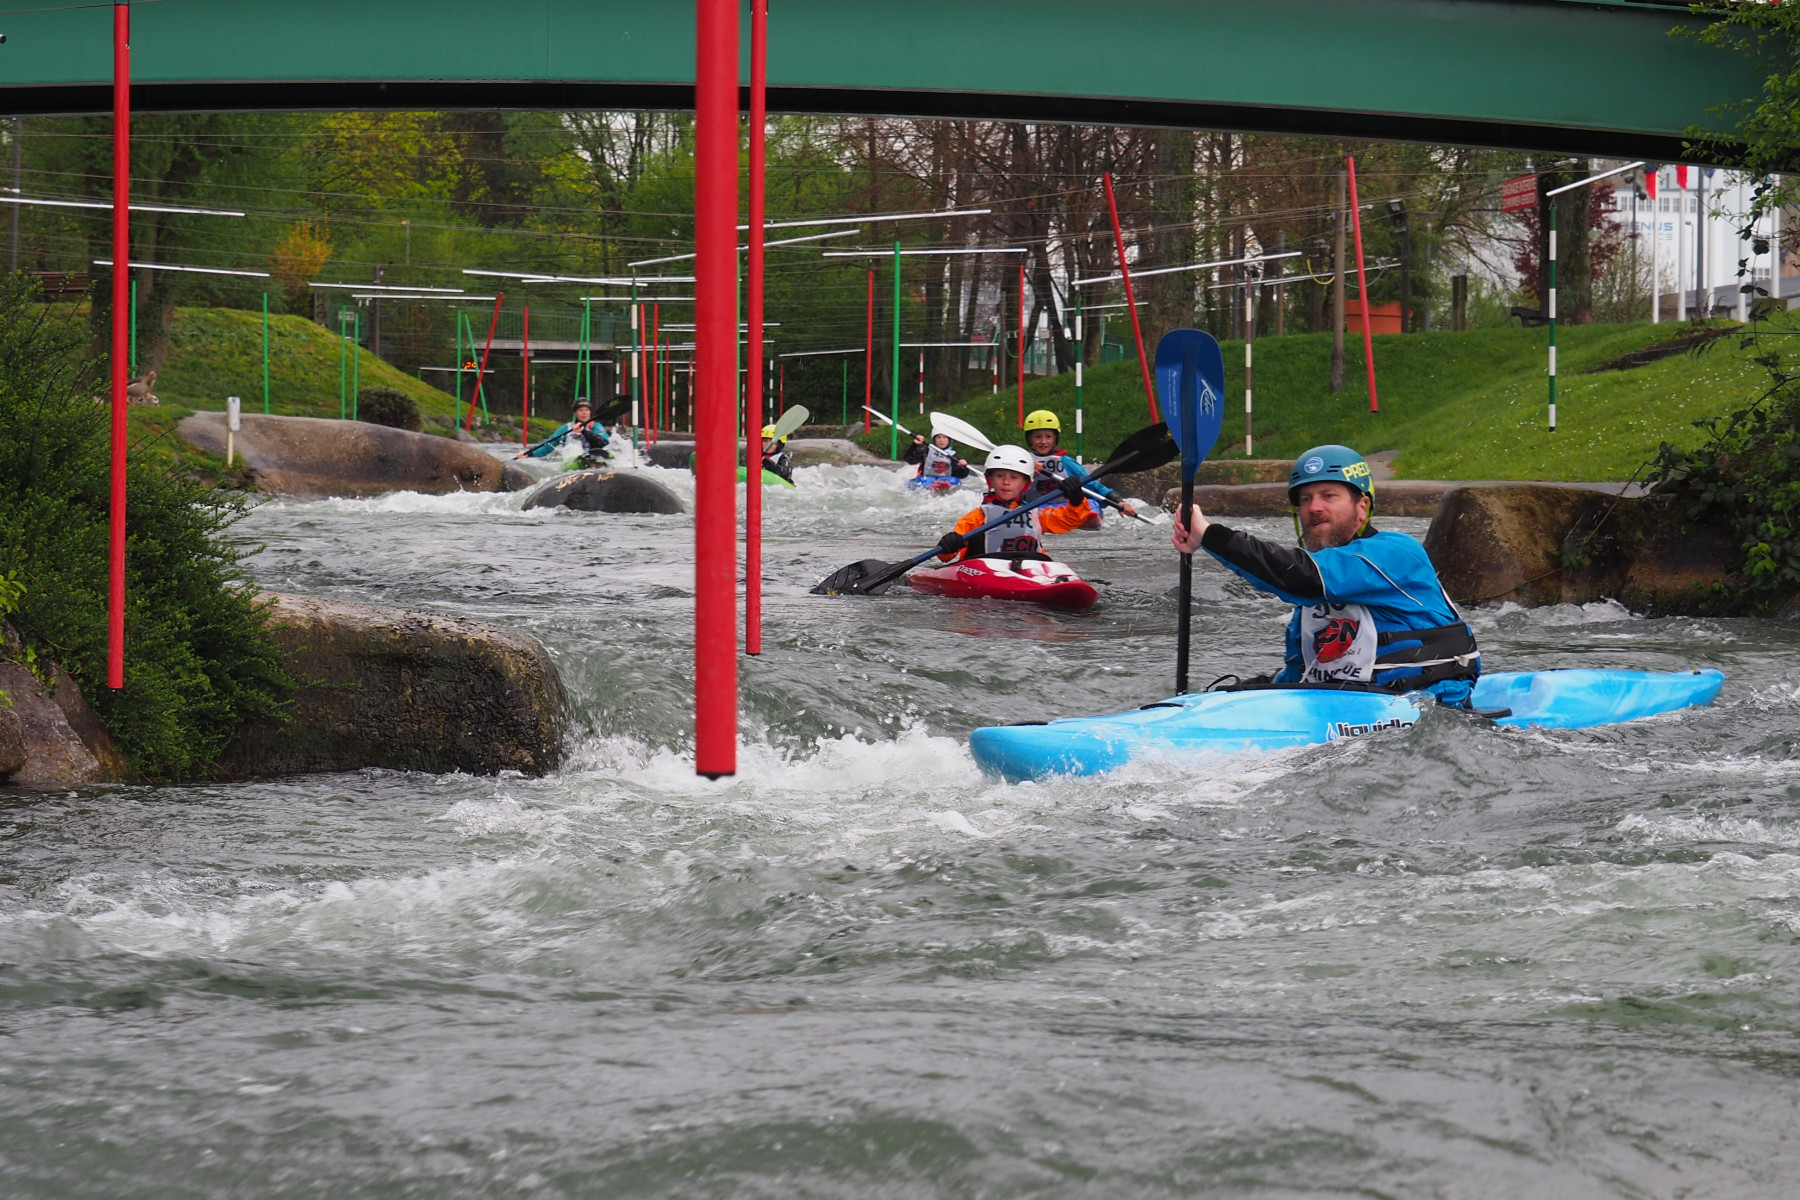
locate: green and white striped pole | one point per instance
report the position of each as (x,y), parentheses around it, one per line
(1550,273)
(1078,410)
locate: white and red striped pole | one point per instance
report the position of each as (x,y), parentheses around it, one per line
(715,358)
(121,327)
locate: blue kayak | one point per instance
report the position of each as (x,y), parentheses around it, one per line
(1275,718)
(936,484)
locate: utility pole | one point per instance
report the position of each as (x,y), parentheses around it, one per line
(18,141)
(1337,291)
(1403,230)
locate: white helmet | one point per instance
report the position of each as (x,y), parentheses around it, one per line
(1010,458)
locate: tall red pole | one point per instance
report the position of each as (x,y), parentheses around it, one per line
(1137,330)
(753,362)
(715,352)
(121,330)
(525,381)
(1362,284)
(481,375)
(1021,371)
(869,356)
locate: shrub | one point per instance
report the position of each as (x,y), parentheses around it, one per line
(198,658)
(386,406)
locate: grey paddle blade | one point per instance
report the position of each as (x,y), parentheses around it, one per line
(870,577)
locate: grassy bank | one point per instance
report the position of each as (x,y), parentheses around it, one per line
(1453,405)
(217,352)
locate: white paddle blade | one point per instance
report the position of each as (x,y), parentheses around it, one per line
(791,420)
(959,430)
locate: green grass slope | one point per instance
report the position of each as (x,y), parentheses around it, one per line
(1453,405)
(217,352)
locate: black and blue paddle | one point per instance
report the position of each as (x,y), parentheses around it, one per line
(1190,386)
(1144,450)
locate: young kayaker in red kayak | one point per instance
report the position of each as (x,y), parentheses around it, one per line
(1008,471)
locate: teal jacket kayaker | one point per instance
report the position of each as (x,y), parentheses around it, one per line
(582,433)
(1368,607)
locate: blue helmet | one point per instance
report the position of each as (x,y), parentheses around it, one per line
(1331,464)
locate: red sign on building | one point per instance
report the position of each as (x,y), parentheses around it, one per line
(1519,195)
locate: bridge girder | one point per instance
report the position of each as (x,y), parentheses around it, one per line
(1604,77)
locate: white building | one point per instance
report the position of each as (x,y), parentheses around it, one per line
(1690,246)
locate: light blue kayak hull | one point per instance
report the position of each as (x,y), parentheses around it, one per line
(1276,718)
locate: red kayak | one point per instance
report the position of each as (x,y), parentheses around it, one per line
(1035,581)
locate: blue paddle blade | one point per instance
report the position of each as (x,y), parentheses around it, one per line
(1190,387)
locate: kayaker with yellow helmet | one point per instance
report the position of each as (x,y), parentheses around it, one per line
(776,456)
(1368,607)
(1054,464)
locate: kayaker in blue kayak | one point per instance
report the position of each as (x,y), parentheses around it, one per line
(1052,465)
(1368,607)
(936,459)
(580,432)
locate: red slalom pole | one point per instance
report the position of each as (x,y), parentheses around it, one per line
(525,382)
(869,356)
(121,329)
(481,375)
(715,353)
(1137,330)
(753,361)
(1021,370)
(1362,284)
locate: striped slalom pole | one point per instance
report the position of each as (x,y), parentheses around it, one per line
(1550,295)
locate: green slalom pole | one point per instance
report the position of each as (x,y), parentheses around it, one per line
(584,386)
(356,365)
(894,423)
(134,327)
(265,353)
(846,412)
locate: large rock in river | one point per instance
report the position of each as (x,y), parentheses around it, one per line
(405,690)
(602,490)
(1539,544)
(49,736)
(313,456)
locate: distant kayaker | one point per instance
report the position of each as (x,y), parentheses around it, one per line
(1052,464)
(580,431)
(1368,607)
(1008,471)
(777,459)
(936,459)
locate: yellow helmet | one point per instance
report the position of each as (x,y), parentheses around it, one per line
(1043,418)
(769,432)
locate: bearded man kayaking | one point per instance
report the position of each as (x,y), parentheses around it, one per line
(1368,607)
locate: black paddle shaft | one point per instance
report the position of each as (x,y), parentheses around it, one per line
(1184,626)
(1148,448)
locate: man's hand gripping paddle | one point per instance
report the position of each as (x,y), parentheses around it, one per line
(959,430)
(1144,450)
(1190,386)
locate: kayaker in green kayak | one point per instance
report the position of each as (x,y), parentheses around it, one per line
(1368,607)
(777,459)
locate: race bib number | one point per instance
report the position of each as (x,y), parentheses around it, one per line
(1337,642)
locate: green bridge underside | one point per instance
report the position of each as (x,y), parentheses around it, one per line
(1600,78)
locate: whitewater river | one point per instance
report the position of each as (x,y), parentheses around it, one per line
(1453,960)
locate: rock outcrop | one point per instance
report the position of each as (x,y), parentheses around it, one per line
(313,456)
(601,490)
(58,738)
(389,688)
(1540,544)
